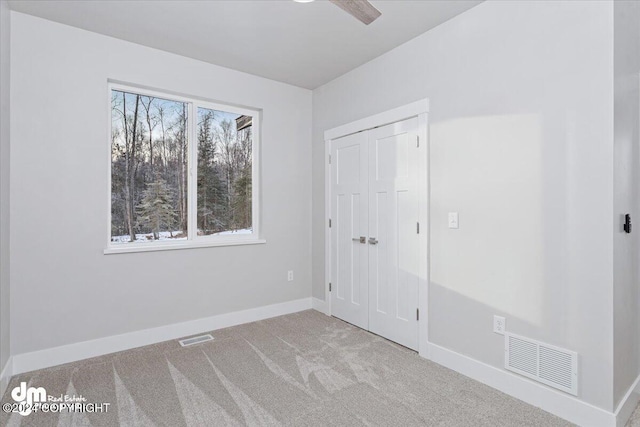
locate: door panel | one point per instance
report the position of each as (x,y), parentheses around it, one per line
(393,219)
(349,212)
(378,228)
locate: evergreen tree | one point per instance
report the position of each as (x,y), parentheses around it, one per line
(242,200)
(211,190)
(156,211)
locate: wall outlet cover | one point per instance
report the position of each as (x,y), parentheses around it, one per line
(499,325)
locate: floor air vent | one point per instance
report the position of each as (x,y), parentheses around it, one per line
(553,366)
(195,340)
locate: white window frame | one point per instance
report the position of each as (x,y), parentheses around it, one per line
(192,241)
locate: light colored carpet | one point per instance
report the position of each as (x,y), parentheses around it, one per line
(634,421)
(303,369)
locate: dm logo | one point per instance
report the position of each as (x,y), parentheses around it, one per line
(28,397)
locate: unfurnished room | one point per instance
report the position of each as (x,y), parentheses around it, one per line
(319,213)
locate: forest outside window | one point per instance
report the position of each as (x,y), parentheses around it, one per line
(183,172)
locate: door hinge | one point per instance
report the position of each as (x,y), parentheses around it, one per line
(329,158)
(329,286)
(417,141)
(417,314)
(329,222)
(417,227)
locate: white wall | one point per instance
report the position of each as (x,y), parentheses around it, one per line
(626,192)
(521,129)
(4,181)
(63,288)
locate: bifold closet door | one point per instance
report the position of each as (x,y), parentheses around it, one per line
(393,232)
(374,236)
(349,263)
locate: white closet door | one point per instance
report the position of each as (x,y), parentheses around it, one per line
(349,180)
(393,232)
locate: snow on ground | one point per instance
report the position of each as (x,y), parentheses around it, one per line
(230,232)
(147,237)
(177,235)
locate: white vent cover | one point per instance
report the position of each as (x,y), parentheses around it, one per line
(195,340)
(553,366)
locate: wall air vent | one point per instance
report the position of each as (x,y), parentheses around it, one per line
(195,340)
(553,366)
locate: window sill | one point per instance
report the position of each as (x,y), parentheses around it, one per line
(153,247)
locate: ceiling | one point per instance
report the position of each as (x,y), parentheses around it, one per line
(303,44)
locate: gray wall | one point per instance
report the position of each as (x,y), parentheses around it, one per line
(4,182)
(626,191)
(59,194)
(521,145)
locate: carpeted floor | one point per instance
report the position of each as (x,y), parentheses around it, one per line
(303,369)
(634,421)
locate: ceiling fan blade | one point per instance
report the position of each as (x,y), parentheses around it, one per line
(360,9)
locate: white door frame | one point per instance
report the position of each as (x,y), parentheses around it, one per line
(419,109)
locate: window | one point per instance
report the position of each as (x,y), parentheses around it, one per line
(182,172)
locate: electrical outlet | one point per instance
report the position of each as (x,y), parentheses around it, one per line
(499,325)
(290,276)
(453,219)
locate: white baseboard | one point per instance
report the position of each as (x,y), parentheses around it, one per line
(320,305)
(628,404)
(5,376)
(555,402)
(46,358)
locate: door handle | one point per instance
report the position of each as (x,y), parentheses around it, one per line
(373,241)
(360,239)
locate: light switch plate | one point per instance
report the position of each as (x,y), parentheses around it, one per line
(453,219)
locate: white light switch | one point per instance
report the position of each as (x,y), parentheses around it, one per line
(453,219)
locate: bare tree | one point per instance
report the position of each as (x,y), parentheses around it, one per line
(163,153)
(130,160)
(181,137)
(151,124)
